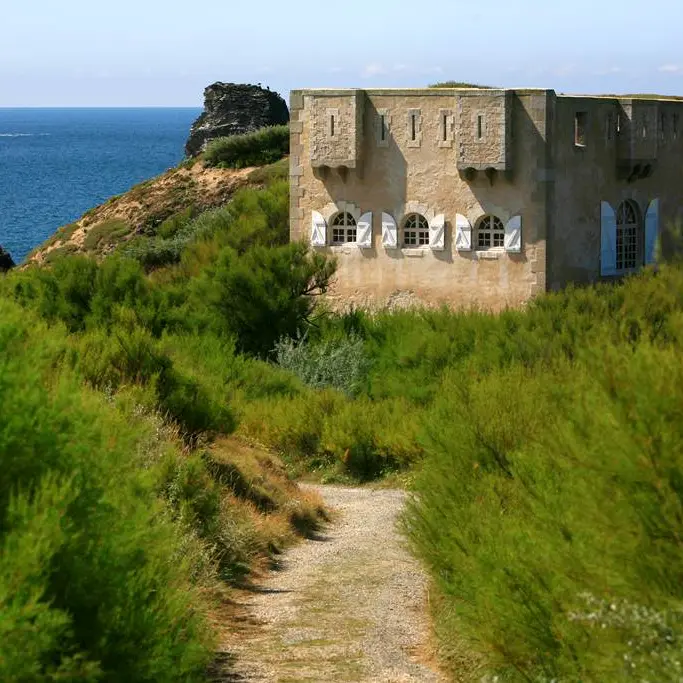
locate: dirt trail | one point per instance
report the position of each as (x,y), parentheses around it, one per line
(348,606)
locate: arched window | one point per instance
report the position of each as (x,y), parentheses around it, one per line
(343,228)
(628,230)
(415,230)
(490,233)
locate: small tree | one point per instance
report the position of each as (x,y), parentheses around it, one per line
(264,294)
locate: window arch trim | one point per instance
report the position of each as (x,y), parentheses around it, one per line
(415,230)
(629,228)
(344,228)
(490,233)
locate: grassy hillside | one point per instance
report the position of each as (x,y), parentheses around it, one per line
(170,386)
(154,206)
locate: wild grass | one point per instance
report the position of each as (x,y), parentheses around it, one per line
(105,233)
(544,445)
(264,146)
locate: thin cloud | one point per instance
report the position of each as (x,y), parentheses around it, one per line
(374,69)
(564,70)
(670,69)
(609,71)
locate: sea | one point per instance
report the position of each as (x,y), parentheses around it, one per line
(55,164)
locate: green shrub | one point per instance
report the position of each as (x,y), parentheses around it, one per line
(177,222)
(94,584)
(543,486)
(264,146)
(65,292)
(199,505)
(264,294)
(340,363)
(266,175)
(105,233)
(457,84)
(58,253)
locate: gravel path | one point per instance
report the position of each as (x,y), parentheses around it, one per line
(349,606)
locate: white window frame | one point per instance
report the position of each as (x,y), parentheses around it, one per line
(420,228)
(347,228)
(492,228)
(628,253)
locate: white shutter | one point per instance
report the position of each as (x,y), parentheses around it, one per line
(513,235)
(318,230)
(389,232)
(463,233)
(437,228)
(364,231)
(608,240)
(651,230)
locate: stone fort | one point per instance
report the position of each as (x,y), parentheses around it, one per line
(481,197)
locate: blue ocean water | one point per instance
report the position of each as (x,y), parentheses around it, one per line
(55,164)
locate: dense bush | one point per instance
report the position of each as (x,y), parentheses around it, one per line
(253,217)
(552,488)
(259,148)
(341,363)
(94,584)
(264,294)
(547,441)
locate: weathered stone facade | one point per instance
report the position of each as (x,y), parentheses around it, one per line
(479,196)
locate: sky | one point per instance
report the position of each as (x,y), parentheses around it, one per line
(154,53)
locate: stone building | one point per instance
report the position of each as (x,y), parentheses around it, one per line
(480,196)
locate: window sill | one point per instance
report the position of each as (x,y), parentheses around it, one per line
(414,251)
(489,254)
(343,248)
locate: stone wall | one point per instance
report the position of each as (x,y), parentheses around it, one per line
(414,169)
(633,150)
(528,157)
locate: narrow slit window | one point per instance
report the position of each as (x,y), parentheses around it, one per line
(413,126)
(675,126)
(480,127)
(610,126)
(382,128)
(580,119)
(332,125)
(444,127)
(643,130)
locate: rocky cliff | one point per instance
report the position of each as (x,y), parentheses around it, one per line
(232,109)
(6,261)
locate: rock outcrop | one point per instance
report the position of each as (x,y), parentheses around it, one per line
(232,109)
(6,261)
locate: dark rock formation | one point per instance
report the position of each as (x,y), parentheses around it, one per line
(6,261)
(232,109)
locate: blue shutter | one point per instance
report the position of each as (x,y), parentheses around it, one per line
(608,240)
(651,231)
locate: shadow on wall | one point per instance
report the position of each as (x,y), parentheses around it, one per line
(518,190)
(384,162)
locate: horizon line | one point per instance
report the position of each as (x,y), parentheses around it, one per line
(100,106)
